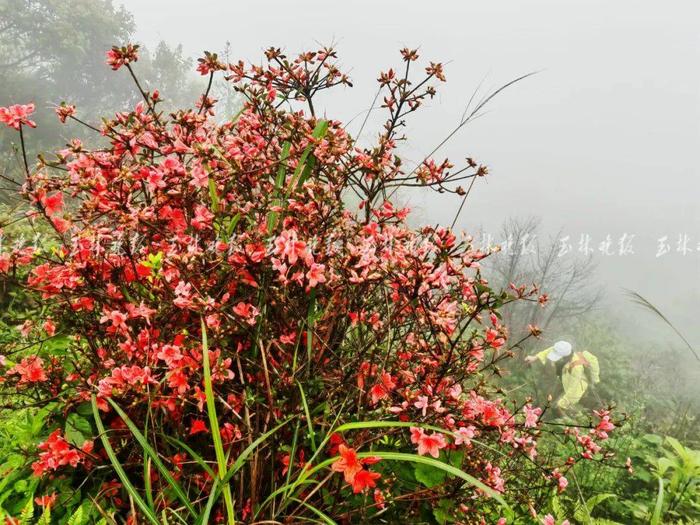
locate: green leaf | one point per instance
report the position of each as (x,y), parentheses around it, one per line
(442,511)
(240,461)
(198,459)
(84,409)
(77,517)
(583,511)
(301,173)
(309,422)
(273,216)
(658,507)
(557,508)
(27,513)
(681,451)
(243,456)
(45,518)
(213,195)
(77,430)
(429,475)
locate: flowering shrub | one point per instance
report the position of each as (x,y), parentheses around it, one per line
(242,344)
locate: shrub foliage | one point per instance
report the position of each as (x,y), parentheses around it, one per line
(238,343)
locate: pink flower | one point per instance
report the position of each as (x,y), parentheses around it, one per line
(605,425)
(5,263)
(563,483)
(422,403)
(177,380)
(200,178)
(52,203)
(315,275)
(46,500)
(170,354)
(30,370)
(213,321)
(428,443)
(464,435)
(64,111)
(247,311)
(117,318)
(381,390)
(549,520)
(531,415)
(120,56)
(202,217)
(183,297)
(55,452)
(379,499)
(287,245)
(494,478)
(364,479)
(141,310)
(455,391)
(349,464)
(16,115)
(49,327)
(26,328)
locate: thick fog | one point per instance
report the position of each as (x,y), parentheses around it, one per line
(602,142)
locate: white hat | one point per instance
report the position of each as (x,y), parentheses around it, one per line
(560,349)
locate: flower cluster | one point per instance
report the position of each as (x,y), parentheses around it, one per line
(56,452)
(17,115)
(122,56)
(314,311)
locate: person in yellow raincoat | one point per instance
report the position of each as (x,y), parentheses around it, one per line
(576,371)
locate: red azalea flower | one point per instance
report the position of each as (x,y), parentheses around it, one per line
(349,464)
(198,425)
(46,500)
(64,111)
(364,479)
(120,56)
(30,370)
(16,115)
(428,443)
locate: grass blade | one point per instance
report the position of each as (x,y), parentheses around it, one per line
(148,512)
(198,459)
(214,425)
(312,434)
(454,471)
(326,519)
(240,460)
(148,450)
(641,301)
(656,517)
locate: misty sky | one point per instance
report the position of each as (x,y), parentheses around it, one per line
(603,141)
